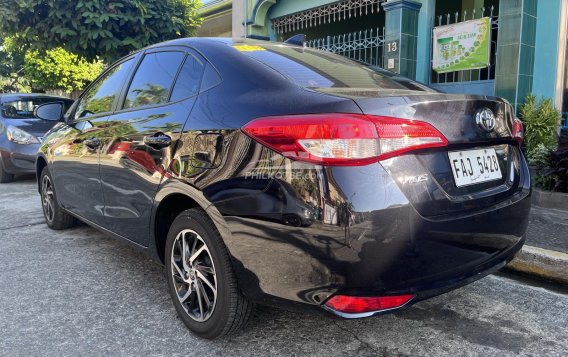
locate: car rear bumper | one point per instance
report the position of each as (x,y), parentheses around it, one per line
(369,240)
(434,289)
(19,159)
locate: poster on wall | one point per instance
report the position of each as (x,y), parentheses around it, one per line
(461,46)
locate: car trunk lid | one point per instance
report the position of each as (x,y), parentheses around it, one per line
(481,165)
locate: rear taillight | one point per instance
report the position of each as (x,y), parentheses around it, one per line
(397,136)
(518,131)
(342,139)
(358,304)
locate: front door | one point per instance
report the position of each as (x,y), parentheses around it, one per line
(141,136)
(75,167)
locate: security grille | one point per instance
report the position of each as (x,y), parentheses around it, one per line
(363,46)
(335,12)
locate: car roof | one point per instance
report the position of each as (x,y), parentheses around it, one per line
(6,97)
(196,41)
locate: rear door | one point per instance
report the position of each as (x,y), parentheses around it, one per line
(140,138)
(75,159)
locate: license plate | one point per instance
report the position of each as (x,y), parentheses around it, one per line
(471,167)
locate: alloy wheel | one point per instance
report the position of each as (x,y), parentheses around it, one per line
(47,199)
(194,276)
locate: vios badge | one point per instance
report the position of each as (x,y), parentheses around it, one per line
(485,119)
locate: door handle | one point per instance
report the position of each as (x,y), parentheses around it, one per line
(92,143)
(158,140)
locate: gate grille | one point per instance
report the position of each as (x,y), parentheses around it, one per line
(363,46)
(334,12)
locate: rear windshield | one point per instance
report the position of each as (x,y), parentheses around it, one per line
(319,69)
(23,108)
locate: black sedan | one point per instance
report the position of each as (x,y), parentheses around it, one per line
(196,150)
(21,132)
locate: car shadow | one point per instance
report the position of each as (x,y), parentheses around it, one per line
(291,332)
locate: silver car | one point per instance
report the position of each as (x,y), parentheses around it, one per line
(21,132)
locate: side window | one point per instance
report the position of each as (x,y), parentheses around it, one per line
(153,79)
(189,79)
(100,97)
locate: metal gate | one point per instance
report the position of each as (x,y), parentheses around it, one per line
(334,12)
(363,46)
(358,40)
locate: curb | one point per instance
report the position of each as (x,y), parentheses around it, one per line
(549,199)
(543,263)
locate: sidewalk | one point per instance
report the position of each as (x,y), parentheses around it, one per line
(548,229)
(545,253)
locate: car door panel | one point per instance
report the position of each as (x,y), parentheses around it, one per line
(140,139)
(131,170)
(75,169)
(75,160)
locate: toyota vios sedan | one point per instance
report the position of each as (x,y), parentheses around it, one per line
(21,132)
(198,151)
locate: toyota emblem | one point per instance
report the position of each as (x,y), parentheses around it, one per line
(485,119)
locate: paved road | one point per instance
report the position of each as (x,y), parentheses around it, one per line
(78,292)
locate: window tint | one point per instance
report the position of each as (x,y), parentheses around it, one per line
(318,69)
(101,95)
(187,83)
(153,79)
(210,78)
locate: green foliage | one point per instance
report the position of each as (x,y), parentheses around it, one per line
(10,56)
(541,160)
(539,157)
(11,66)
(551,168)
(59,69)
(541,120)
(93,29)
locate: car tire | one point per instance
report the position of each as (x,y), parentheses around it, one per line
(204,290)
(55,216)
(5,177)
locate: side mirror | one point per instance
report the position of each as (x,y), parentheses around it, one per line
(49,111)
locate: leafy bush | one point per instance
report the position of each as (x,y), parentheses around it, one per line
(541,120)
(59,69)
(540,158)
(552,174)
(11,66)
(559,170)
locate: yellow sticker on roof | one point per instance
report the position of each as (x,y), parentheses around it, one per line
(248,48)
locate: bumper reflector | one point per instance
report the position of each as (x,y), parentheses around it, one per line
(358,304)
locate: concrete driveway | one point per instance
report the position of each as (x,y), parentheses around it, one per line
(78,292)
